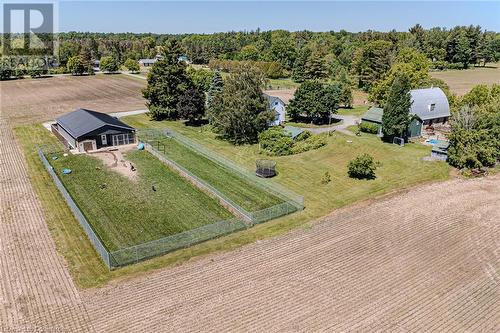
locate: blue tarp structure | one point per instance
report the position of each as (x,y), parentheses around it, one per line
(66,171)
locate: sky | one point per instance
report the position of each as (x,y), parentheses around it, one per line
(209,16)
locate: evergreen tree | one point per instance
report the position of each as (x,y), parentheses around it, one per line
(299,66)
(216,87)
(396,117)
(167,81)
(315,68)
(242,109)
(191,105)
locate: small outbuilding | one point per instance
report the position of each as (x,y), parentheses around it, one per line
(277,105)
(87,130)
(429,105)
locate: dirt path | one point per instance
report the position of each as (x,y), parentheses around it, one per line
(424,260)
(37,293)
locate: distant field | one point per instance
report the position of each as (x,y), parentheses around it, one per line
(462,81)
(29,100)
(125,212)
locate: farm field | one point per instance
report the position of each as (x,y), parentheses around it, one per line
(462,81)
(383,265)
(234,186)
(126,212)
(29,100)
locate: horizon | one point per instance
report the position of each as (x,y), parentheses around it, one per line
(208,17)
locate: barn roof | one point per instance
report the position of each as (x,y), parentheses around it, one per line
(82,121)
(374,114)
(424,98)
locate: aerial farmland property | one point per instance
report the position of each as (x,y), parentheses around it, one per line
(266,180)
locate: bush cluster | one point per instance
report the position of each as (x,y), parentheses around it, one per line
(368,127)
(276,142)
(362,167)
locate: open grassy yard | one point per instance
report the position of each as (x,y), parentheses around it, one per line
(462,81)
(230,183)
(357,111)
(400,168)
(127,212)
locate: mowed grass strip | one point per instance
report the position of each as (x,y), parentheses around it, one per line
(124,212)
(229,182)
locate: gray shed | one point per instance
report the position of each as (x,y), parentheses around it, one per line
(86,130)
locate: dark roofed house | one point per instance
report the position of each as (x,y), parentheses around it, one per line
(87,130)
(429,105)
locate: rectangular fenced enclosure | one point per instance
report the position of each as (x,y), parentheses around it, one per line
(256,199)
(127,221)
(123,226)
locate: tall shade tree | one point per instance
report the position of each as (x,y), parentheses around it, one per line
(371,62)
(108,64)
(132,65)
(242,111)
(315,101)
(191,105)
(76,65)
(167,81)
(396,117)
(413,65)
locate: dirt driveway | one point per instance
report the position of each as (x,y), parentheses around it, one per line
(425,260)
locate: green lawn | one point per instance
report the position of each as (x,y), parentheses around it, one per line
(357,111)
(127,212)
(237,188)
(286,83)
(401,167)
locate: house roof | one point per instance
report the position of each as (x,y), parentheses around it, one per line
(424,98)
(272,99)
(148,61)
(82,121)
(374,114)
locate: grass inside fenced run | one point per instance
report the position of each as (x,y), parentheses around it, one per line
(401,167)
(126,212)
(227,181)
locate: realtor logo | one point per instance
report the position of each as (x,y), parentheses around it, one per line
(29,29)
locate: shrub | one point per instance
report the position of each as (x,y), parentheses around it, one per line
(362,167)
(303,136)
(311,143)
(368,127)
(276,142)
(326,178)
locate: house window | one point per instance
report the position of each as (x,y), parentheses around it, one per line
(104,139)
(432,107)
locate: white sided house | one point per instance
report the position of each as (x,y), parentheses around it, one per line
(429,105)
(277,105)
(86,130)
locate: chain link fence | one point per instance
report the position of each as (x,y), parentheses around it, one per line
(291,202)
